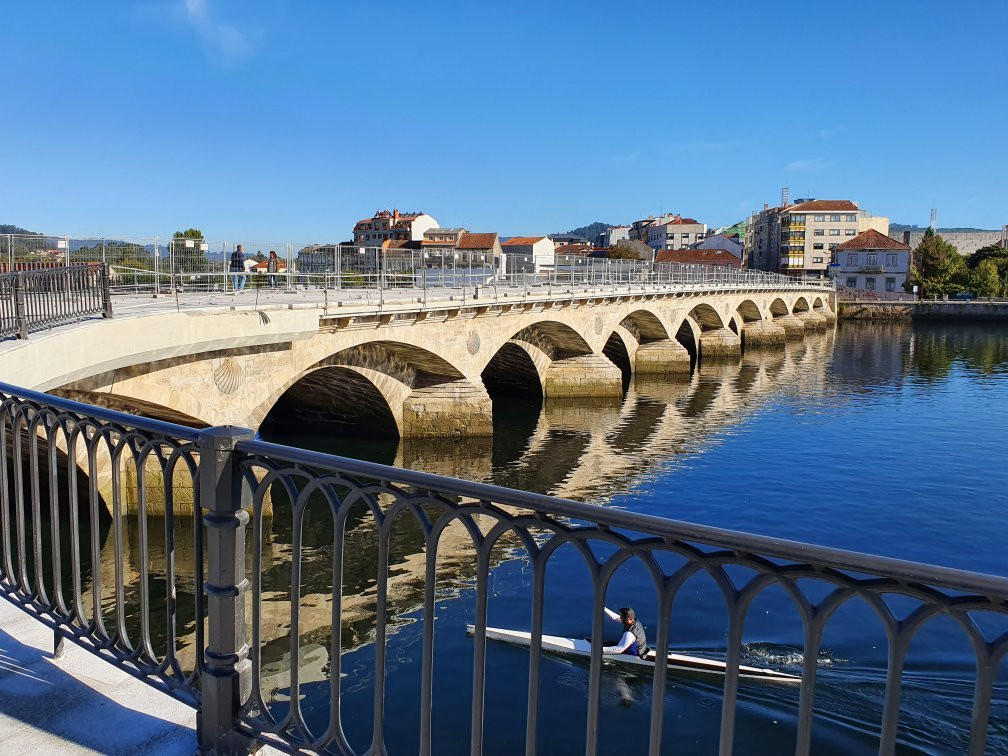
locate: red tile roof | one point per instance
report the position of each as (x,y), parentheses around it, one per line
(699,257)
(573,249)
(872,239)
(477,241)
(814,205)
(523,240)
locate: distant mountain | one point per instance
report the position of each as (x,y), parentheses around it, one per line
(592,232)
(894,227)
(6,228)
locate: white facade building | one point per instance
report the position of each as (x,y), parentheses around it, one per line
(872,264)
(529,253)
(392,225)
(676,233)
(614,235)
(720,241)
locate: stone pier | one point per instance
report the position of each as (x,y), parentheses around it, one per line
(763,333)
(830,316)
(813,320)
(589,375)
(794,329)
(720,345)
(665,357)
(455,408)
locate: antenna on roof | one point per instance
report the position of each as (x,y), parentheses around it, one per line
(785,196)
(934,218)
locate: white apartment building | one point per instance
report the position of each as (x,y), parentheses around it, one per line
(798,239)
(675,233)
(529,253)
(872,263)
(614,235)
(392,225)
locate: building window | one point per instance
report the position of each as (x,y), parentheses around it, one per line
(852,219)
(819,218)
(890,284)
(817,259)
(890,261)
(834,232)
(852,258)
(832,246)
(851,282)
(871,259)
(850,232)
(869,283)
(834,218)
(818,232)
(817,246)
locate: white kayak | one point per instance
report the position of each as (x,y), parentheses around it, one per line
(676,662)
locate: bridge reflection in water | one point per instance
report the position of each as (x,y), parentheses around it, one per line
(588,452)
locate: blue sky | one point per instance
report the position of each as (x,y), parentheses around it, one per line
(290,120)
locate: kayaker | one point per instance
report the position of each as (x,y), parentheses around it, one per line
(634,640)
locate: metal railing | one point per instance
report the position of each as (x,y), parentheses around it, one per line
(158,265)
(133,614)
(41,298)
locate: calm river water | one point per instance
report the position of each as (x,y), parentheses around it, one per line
(887,439)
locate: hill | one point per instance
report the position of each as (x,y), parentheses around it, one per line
(6,228)
(592,232)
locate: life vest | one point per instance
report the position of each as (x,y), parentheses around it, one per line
(639,646)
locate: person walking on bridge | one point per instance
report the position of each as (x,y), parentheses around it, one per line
(634,640)
(237,268)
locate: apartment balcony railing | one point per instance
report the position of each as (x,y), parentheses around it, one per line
(135,617)
(872,269)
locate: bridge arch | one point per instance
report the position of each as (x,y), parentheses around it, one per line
(367,387)
(706,318)
(779,307)
(748,311)
(801,305)
(522,363)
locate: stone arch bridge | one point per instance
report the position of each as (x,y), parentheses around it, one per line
(409,370)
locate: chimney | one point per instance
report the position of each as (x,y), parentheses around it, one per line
(766,205)
(395,215)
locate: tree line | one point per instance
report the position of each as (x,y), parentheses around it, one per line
(939,270)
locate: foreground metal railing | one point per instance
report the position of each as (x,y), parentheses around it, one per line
(125,603)
(34,300)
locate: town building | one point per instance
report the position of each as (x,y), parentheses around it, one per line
(797,239)
(614,235)
(721,241)
(967,242)
(868,221)
(716,258)
(530,254)
(871,263)
(481,248)
(388,225)
(675,233)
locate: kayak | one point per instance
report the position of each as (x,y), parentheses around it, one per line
(680,663)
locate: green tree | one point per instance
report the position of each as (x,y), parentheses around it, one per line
(984,280)
(938,267)
(622,251)
(189,260)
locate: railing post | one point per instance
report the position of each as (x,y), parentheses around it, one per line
(227,672)
(20,317)
(105,293)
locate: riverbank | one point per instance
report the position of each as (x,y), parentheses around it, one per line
(933,310)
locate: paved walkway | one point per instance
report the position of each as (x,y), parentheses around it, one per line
(79,703)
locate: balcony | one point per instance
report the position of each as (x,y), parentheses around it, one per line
(872,269)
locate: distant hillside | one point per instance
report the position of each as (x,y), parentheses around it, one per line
(894,227)
(592,232)
(6,228)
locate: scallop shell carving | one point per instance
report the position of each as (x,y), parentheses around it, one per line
(227,374)
(598,324)
(473,343)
